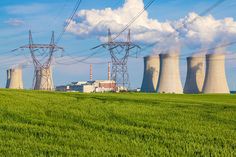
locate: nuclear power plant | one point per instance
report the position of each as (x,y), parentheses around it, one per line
(205,74)
(195,75)
(215,80)
(151,74)
(44,79)
(14,78)
(169,77)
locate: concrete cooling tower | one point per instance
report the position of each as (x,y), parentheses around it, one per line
(215,80)
(169,78)
(14,78)
(8,78)
(195,75)
(44,79)
(151,74)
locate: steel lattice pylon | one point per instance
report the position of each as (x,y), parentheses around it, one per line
(119,52)
(42,55)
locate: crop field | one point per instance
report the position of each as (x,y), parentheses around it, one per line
(34,123)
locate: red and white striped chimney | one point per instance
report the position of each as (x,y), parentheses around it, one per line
(109,71)
(91,72)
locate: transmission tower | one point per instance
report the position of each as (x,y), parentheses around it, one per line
(42,55)
(119,52)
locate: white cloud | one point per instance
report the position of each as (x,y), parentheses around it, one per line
(206,31)
(15,22)
(96,23)
(203,32)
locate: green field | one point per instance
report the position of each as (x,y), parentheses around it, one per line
(36,123)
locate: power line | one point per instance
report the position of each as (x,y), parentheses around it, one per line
(146,7)
(192,21)
(209,49)
(73,57)
(85,62)
(80,60)
(69,21)
(62,33)
(6,52)
(59,13)
(134,19)
(126,27)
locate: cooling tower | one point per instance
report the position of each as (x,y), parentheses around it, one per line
(14,78)
(44,79)
(195,75)
(169,78)
(8,78)
(215,80)
(151,73)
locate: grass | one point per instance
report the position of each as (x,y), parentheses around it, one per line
(34,123)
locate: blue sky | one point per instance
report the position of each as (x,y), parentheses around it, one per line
(43,16)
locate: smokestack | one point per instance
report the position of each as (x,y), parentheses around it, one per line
(91,72)
(169,77)
(215,80)
(109,71)
(151,74)
(44,79)
(195,75)
(14,78)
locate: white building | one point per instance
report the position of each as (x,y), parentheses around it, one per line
(98,86)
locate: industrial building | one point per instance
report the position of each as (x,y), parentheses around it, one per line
(215,80)
(69,87)
(205,74)
(98,86)
(195,75)
(169,77)
(14,78)
(151,74)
